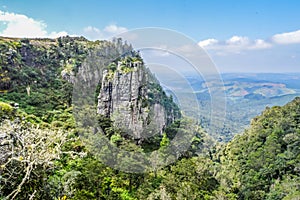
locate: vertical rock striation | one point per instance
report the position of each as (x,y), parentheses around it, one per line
(124,97)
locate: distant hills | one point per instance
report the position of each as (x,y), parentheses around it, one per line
(260,85)
(247,95)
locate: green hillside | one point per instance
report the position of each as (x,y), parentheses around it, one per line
(264,161)
(42,155)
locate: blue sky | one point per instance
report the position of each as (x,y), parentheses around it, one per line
(240,36)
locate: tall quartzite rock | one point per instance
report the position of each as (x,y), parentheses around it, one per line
(124,97)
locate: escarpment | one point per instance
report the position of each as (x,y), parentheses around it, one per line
(63,73)
(132,97)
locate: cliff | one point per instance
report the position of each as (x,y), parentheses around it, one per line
(39,74)
(132,97)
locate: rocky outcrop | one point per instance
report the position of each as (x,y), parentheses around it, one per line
(124,98)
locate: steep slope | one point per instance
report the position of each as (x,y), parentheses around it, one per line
(37,73)
(264,162)
(132,97)
(37,77)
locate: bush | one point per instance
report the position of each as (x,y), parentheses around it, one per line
(27,155)
(6,110)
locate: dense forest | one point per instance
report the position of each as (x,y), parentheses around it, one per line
(43,156)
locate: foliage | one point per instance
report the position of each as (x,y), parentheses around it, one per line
(265,154)
(27,158)
(43,157)
(6,110)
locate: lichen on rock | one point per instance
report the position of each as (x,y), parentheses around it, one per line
(124,97)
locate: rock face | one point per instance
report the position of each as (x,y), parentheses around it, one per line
(124,98)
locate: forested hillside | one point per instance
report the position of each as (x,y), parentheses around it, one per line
(42,155)
(264,161)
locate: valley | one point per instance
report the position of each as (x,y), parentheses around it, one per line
(247,95)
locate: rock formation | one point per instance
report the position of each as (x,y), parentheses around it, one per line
(124,97)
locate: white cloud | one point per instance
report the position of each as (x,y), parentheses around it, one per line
(58,34)
(238,41)
(208,42)
(239,44)
(113,29)
(18,25)
(94,33)
(235,44)
(260,44)
(287,38)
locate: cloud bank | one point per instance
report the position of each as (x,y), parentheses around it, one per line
(22,26)
(238,44)
(94,33)
(18,25)
(287,38)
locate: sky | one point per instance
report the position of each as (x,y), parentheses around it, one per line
(239,36)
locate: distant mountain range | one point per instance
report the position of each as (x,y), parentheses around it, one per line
(247,95)
(260,86)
